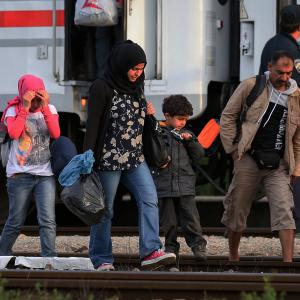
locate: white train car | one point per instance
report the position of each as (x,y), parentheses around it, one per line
(187,45)
(199,48)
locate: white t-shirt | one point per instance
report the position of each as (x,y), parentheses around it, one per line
(30,153)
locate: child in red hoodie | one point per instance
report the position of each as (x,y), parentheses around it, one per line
(31,121)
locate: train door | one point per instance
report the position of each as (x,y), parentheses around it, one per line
(86,47)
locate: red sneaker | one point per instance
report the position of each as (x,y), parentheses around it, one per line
(158,258)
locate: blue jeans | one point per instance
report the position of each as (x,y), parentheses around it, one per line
(19,188)
(140,183)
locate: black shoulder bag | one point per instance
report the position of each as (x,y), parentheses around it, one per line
(154,146)
(268,159)
(5,143)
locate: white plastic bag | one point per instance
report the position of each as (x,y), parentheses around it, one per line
(96,13)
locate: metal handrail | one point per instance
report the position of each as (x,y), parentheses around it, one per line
(159,41)
(54,15)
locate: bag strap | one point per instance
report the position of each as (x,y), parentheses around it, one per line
(3,132)
(155,123)
(260,83)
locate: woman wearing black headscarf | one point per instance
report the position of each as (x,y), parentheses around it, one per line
(116,114)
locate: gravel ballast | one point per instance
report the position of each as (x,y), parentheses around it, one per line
(217,245)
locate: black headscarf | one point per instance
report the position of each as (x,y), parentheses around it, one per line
(122,58)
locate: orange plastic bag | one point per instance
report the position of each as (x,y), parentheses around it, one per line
(209,133)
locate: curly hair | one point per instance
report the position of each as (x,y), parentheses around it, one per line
(177,105)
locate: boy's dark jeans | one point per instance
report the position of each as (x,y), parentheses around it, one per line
(181,211)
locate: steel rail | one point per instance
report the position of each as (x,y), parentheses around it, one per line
(250,264)
(149,284)
(133,231)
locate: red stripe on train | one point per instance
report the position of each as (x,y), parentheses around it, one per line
(30,18)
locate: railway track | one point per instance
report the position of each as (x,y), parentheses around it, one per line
(188,263)
(216,278)
(153,285)
(133,231)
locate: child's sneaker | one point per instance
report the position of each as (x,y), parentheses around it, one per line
(158,258)
(106,267)
(200,253)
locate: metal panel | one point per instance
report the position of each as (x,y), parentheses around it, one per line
(264,29)
(141,28)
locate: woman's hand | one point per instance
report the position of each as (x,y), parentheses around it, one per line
(150,109)
(44,96)
(27,98)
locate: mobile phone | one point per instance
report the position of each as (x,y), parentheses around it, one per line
(176,134)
